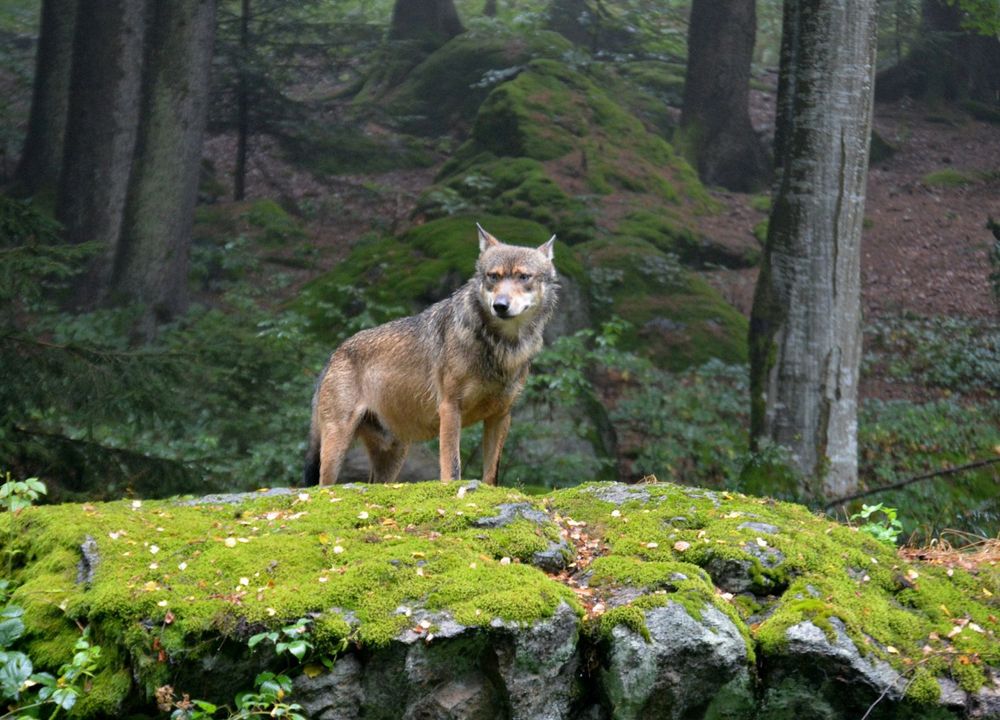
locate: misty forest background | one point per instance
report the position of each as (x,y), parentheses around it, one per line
(200,200)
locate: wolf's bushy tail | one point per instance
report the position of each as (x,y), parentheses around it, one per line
(310,475)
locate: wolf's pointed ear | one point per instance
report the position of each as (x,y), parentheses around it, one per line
(485,239)
(547,248)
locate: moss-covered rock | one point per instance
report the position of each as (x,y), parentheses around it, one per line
(551,112)
(677,319)
(445,89)
(519,187)
(435,590)
(670,234)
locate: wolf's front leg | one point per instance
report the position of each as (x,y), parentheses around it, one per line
(449,439)
(494,434)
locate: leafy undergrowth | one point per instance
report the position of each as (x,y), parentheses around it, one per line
(165,581)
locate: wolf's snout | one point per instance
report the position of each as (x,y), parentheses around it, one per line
(501,305)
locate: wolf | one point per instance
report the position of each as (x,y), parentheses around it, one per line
(463,360)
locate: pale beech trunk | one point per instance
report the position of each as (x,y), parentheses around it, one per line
(100,133)
(152,263)
(805,326)
(41,160)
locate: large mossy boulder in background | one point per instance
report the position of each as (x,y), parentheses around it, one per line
(678,320)
(515,186)
(444,90)
(551,112)
(458,600)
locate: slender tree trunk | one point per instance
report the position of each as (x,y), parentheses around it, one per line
(490,8)
(151,267)
(103,117)
(805,340)
(715,130)
(41,160)
(242,106)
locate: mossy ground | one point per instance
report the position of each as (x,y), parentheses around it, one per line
(175,580)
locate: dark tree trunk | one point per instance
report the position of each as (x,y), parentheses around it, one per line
(151,267)
(104,95)
(588,23)
(805,340)
(715,130)
(41,159)
(947,62)
(242,105)
(490,8)
(430,22)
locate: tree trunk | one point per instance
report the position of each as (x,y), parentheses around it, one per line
(242,105)
(947,62)
(41,159)
(490,8)
(103,117)
(430,22)
(715,130)
(805,341)
(151,267)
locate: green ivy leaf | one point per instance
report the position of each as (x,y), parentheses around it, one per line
(15,668)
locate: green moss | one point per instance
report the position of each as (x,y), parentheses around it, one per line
(647,88)
(948,178)
(678,319)
(670,234)
(923,688)
(761,203)
(550,112)
(170,574)
(517,187)
(447,88)
(174,581)
(828,571)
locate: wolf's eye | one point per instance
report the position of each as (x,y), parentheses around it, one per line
(524,277)
(493,277)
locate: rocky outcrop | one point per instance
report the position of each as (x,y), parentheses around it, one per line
(433,601)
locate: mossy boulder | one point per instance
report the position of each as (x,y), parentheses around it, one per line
(519,187)
(443,597)
(670,234)
(550,112)
(677,319)
(445,90)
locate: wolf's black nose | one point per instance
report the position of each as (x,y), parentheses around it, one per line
(501,305)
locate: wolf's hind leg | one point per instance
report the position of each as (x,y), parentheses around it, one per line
(494,434)
(386,457)
(336,439)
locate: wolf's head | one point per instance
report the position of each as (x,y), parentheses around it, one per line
(516,284)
